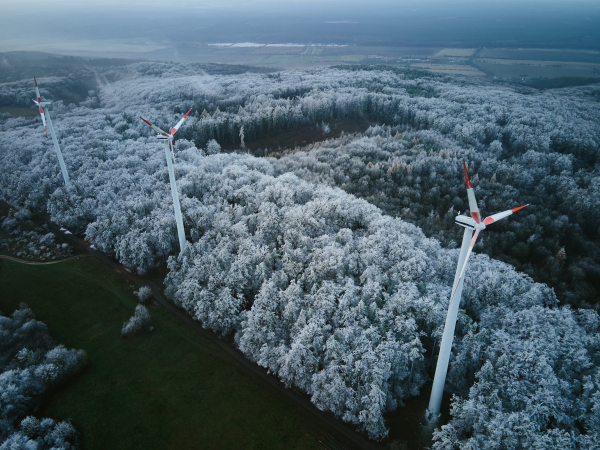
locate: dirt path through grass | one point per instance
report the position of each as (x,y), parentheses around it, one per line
(40,263)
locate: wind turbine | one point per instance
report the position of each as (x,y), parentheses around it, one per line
(170,155)
(470,224)
(43,113)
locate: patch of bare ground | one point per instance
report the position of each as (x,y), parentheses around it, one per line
(27,238)
(302,136)
(407,425)
(338,142)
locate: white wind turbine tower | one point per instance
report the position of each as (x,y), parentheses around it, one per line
(61,161)
(170,155)
(470,224)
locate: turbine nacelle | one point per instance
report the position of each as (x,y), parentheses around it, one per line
(163,135)
(473,226)
(39,103)
(466,222)
(475,222)
(168,139)
(469,222)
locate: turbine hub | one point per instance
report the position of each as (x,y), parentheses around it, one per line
(480,226)
(469,222)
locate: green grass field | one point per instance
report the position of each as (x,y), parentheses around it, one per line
(539,54)
(167,389)
(536,69)
(300,60)
(19,112)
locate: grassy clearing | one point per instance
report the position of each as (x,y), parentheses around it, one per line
(19,112)
(166,389)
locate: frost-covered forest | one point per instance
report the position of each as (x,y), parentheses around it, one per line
(332,265)
(30,364)
(28,239)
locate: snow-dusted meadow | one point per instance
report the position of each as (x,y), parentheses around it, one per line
(310,260)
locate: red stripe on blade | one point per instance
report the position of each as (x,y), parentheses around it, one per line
(520,207)
(488,220)
(146,121)
(187,113)
(467,177)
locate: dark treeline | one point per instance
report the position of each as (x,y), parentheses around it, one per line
(325,289)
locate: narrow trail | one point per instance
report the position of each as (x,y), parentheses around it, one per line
(347,438)
(41,263)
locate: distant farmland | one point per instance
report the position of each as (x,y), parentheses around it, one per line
(456,52)
(540,54)
(536,69)
(451,69)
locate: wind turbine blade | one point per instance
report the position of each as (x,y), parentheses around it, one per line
(464,267)
(501,215)
(44,120)
(155,128)
(471,195)
(176,127)
(37,91)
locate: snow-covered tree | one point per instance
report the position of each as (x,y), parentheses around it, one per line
(137,322)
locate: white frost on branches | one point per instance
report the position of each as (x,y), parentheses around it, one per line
(137,322)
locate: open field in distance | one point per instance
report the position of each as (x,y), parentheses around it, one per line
(504,63)
(456,52)
(541,54)
(451,69)
(307,60)
(536,69)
